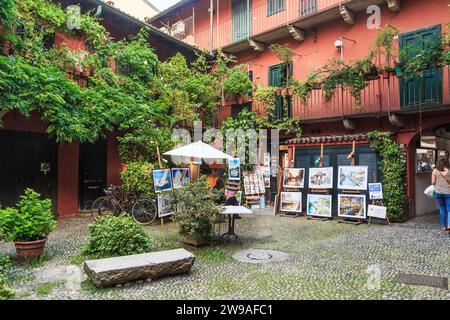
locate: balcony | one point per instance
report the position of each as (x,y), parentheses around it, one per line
(380,97)
(269,22)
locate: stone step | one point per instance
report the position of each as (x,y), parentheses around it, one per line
(119,270)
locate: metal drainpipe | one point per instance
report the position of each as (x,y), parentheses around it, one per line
(217,19)
(211,19)
(248,18)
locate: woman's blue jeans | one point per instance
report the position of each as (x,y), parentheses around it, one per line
(444,207)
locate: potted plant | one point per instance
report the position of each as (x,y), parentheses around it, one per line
(197,208)
(28,225)
(384,45)
(237,83)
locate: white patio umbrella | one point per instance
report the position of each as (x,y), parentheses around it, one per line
(198,149)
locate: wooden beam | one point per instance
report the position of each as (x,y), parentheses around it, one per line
(394,5)
(297,33)
(347,15)
(256,45)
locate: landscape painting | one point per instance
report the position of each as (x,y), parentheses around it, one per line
(319,205)
(352,206)
(294,178)
(321,178)
(162,180)
(291,201)
(180,177)
(353,178)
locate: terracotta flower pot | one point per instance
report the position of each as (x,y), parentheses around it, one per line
(87,72)
(385,74)
(278,91)
(30,250)
(6,47)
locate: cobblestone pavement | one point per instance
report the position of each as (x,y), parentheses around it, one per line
(327,261)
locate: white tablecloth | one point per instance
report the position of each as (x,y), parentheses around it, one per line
(236,210)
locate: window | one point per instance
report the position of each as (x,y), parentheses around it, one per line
(279,76)
(274,7)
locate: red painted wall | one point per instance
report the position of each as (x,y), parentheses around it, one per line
(68,178)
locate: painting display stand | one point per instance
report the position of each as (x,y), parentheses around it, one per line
(290,214)
(356,221)
(253,199)
(378,220)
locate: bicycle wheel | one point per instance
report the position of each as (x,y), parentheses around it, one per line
(144,211)
(102,206)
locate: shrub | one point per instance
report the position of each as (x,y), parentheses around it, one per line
(5,263)
(5,291)
(237,82)
(138,176)
(197,209)
(32,220)
(116,236)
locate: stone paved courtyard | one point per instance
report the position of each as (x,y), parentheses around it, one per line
(326,260)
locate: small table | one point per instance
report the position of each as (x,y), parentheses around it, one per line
(232,212)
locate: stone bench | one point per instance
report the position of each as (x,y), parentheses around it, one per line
(147,266)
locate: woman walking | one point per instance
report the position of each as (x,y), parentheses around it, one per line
(441,181)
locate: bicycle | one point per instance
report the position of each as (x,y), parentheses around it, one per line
(142,209)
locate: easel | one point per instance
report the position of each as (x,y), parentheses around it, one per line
(160,167)
(281,189)
(318,191)
(352,221)
(378,202)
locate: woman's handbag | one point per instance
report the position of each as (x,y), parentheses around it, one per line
(430,192)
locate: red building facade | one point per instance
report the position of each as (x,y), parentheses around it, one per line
(246,28)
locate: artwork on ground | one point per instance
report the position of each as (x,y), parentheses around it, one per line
(291,201)
(234,169)
(294,178)
(162,180)
(319,205)
(165,205)
(353,178)
(321,178)
(180,177)
(352,206)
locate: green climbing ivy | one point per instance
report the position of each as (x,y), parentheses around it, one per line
(393,171)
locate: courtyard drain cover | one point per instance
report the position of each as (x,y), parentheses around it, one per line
(423,280)
(260,256)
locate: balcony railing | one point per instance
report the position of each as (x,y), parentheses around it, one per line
(379,97)
(268,16)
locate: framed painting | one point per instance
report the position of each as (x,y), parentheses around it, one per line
(291,201)
(321,178)
(180,177)
(352,206)
(162,180)
(294,178)
(353,177)
(319,205)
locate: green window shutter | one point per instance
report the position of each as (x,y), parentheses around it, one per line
(274,7)
(278,77)
(427,90)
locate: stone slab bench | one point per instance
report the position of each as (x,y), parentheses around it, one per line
(147,266)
